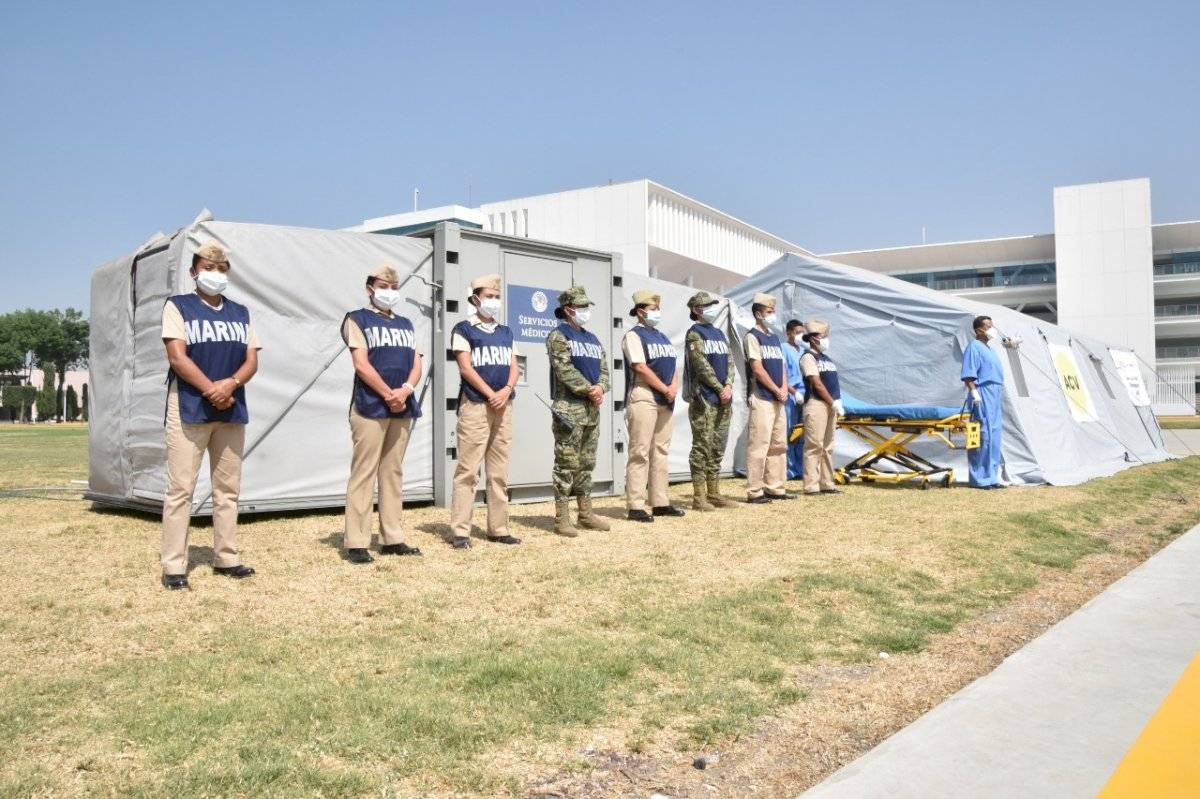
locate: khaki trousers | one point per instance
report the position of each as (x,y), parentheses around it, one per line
(186,445)
(766,451)
(646,470)
(379,446)
(484,436)
(820,424)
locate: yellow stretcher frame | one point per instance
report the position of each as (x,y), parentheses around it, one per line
(889,439)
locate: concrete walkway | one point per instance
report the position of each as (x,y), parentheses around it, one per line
(1057,717)
(1182,442)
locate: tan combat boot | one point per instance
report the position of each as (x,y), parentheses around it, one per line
(562,519)
(700,495)
(714,495)
(588,519)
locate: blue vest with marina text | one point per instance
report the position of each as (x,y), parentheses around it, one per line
(391,350)
(661,357)
(829,376)
(586,353)
(716,350)
(216,342)
(772,361)
(491,357)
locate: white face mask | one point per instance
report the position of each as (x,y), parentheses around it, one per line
(710,313)
(385,298)
(825,344)
(582,315)
(992,334)
(653,318)
(770,320)
(212,283)
(490,307)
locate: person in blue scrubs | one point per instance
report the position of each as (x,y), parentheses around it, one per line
(984,377)
(795,403)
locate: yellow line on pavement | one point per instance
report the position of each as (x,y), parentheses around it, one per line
(1163,762)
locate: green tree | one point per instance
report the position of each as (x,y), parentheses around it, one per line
(62,341)
(18,402)
(19,331)
(84,402)
(47,398)
(72,404)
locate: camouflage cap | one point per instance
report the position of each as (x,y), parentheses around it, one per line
(575,297)
(701,299)
(213,252)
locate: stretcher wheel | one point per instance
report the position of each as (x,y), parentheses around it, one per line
(948,480)
(925,484)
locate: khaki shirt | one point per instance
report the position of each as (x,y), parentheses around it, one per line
(752,347)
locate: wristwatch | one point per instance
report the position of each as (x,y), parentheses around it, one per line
(410,388)
(236,382)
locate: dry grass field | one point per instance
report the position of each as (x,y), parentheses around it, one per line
(590,667)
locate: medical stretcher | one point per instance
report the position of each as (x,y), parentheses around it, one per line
(888,430)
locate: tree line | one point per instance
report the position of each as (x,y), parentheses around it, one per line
(53,341)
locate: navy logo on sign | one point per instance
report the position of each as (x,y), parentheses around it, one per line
(529,313)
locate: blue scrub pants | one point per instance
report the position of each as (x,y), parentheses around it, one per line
(795,452)
(983,463)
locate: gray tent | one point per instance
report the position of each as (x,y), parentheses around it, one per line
(900,343)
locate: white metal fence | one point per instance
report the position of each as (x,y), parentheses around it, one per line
(1175,390)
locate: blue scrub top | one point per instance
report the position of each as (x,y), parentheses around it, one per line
(982,365)
(791,360)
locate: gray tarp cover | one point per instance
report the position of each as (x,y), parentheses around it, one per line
(895,342)
(298,283)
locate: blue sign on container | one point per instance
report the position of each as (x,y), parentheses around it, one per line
(531,312)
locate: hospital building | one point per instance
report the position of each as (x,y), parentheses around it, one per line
(1107,270)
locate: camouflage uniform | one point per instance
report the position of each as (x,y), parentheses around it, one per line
(710,423)
(574,447)
(708,415)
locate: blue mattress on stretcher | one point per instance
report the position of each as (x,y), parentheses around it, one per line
(856,407)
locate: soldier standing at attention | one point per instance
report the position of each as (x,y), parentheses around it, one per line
(709,393)
(487,361)
(766,452)
(213,352)
(822,407)
(578,382)
(387,367)
(651,386)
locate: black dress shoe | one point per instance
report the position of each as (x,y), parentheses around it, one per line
(667,510)
(504,539)
(461,542)
(175,582)
(639,516)
(236,572)
(398,549)
(761,499)
(359,556)
(774,497)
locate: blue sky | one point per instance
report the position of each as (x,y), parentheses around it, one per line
(836,125)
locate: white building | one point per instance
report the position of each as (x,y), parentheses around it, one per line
(1106,270)
(657,231)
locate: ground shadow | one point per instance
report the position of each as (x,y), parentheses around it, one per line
(541,522)
(199,555)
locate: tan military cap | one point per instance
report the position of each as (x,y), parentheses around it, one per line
(385,272)
(765,300)
(213,252)
(643,297)
(816,328)
(491,281)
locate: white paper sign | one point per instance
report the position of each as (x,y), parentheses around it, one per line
(1131,376)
